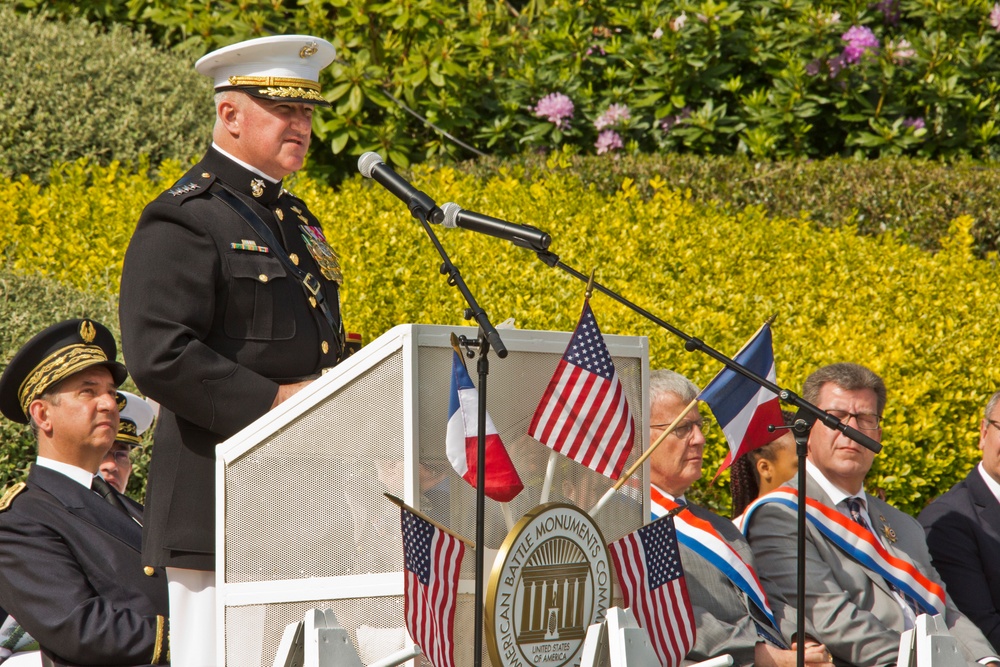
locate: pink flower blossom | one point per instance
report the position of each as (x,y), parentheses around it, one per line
(901,51)
(835,65)
(860,39)
(616,113)
(608,141)
(677,24)
(915,123)
(555,108)
(658,33)
(995,16)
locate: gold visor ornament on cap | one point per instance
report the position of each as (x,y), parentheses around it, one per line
(87,331)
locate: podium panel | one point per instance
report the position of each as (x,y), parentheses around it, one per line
(301,519)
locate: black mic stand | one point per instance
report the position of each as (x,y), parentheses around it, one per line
(487,336)
(805,418)
(691,344)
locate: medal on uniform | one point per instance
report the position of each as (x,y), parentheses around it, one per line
(326,258)
(887,530)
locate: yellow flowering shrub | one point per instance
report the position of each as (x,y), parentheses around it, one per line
(926,322)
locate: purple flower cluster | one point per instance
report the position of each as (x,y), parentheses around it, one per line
(615,114)
(608,141)
(890,11)
(555,108)
(669,122)
(915,123)
(860,40)
(995,17)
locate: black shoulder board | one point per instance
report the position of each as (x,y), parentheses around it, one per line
(11,493)
(190,185)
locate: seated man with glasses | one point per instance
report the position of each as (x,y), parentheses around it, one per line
(868,572)
(136,417)
(963,532)
(732,614)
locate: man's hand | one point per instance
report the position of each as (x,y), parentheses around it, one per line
(766,655)
(286,391)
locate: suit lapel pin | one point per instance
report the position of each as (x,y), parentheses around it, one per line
(887,530)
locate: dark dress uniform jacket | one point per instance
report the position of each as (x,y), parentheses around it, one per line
(963,535)
(71,574)
(210,327)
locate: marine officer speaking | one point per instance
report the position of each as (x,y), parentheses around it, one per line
(229,305)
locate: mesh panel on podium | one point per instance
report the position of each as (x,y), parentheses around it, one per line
(302,522)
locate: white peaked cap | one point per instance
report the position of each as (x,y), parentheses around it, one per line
(282,67)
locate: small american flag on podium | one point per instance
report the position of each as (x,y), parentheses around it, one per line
(583,413)
(648,562)
(432,562)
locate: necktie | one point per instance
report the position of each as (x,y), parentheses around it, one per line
(855,506)
(104,490)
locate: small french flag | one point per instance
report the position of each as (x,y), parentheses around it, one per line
(743,408)
(461,442)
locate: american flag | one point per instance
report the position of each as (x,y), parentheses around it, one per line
(648,563)
(432,561)
(583,413)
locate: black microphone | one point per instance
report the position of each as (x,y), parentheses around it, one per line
(372,166)
(524,236)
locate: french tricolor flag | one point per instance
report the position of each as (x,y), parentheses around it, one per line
(743,408)
(461,442)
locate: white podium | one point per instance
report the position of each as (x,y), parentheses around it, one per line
(300,517)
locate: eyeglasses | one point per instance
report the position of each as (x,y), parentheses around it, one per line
(121,456)
(683,429)
(866,422)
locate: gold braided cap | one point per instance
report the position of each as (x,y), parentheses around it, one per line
(128,432)
(57,366)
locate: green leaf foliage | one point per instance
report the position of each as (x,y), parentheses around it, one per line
(925,321)
(72,91)
(768,78)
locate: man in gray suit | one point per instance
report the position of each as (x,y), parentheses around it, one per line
(857,610)
(731,615)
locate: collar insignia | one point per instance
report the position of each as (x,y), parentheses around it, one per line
(257,187)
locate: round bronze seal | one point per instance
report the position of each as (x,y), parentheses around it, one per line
(551,580)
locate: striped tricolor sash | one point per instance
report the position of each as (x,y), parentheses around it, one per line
(860,545)
(702,538)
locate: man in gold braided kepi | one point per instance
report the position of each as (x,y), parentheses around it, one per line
(229,304)
(71,571)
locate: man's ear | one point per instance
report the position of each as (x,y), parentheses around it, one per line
(39,412)
(229,115)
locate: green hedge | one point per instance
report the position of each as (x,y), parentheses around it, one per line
(914,198)
(72,91)
(925,321)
